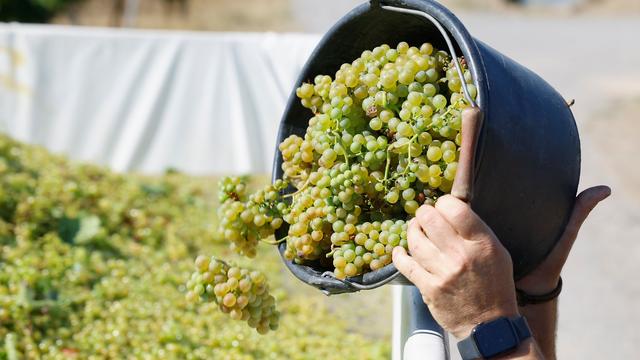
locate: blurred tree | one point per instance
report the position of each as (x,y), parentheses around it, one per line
(31,11)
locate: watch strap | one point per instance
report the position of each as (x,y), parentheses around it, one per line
(469,350)
(521,327)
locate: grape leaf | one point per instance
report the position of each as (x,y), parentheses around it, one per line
(79,230)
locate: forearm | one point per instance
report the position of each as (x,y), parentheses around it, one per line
(542,319)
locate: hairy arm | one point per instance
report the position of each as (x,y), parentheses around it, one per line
(542,319)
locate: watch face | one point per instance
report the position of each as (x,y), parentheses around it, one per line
(495,337)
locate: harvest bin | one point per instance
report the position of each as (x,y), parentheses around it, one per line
(527,159)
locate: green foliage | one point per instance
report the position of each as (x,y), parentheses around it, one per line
(92,266)
(31,11)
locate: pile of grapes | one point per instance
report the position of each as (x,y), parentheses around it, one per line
(382,139)
(93,264)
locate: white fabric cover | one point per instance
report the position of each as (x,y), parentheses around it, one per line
(203,103)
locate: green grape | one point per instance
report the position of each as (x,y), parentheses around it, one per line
(450,171)
(449,156)
(375,124)
(434,153)
(439,101)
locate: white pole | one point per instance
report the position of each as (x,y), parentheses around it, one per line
(400,321)
(416,335)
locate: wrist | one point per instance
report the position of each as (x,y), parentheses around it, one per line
(497,339)
(465,329)
(538,286)
(527,349)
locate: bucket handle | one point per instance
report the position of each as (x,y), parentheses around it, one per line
(444,34)
(471,123)
(471,117)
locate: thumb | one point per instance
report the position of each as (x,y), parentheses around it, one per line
(585,202)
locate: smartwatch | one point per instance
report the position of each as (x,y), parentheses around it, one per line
(494,338)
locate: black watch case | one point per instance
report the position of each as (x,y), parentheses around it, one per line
(495,337)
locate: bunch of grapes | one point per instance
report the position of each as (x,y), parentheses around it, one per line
(241,293)
(245,220)
(382,140)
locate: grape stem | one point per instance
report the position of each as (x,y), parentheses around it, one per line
(222,262)
(333,249)
(304,186)
(335,141)
(386,168)
(409,153)
(275,242)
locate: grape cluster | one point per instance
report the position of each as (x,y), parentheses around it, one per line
(370,248)
(241,293)
(246,220)
(383,139)
(297,156)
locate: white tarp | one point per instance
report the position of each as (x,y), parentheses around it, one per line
(204,103)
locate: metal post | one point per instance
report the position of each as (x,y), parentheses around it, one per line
(416,335)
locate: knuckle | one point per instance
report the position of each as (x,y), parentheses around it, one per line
(399,260)
(495,248)
(421,210)
(462,264)
(455,209)
(425,215)
(447,200)
(411,272)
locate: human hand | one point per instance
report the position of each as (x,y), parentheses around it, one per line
(463,272)
(546,276)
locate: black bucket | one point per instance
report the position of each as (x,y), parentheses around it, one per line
(527,159)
